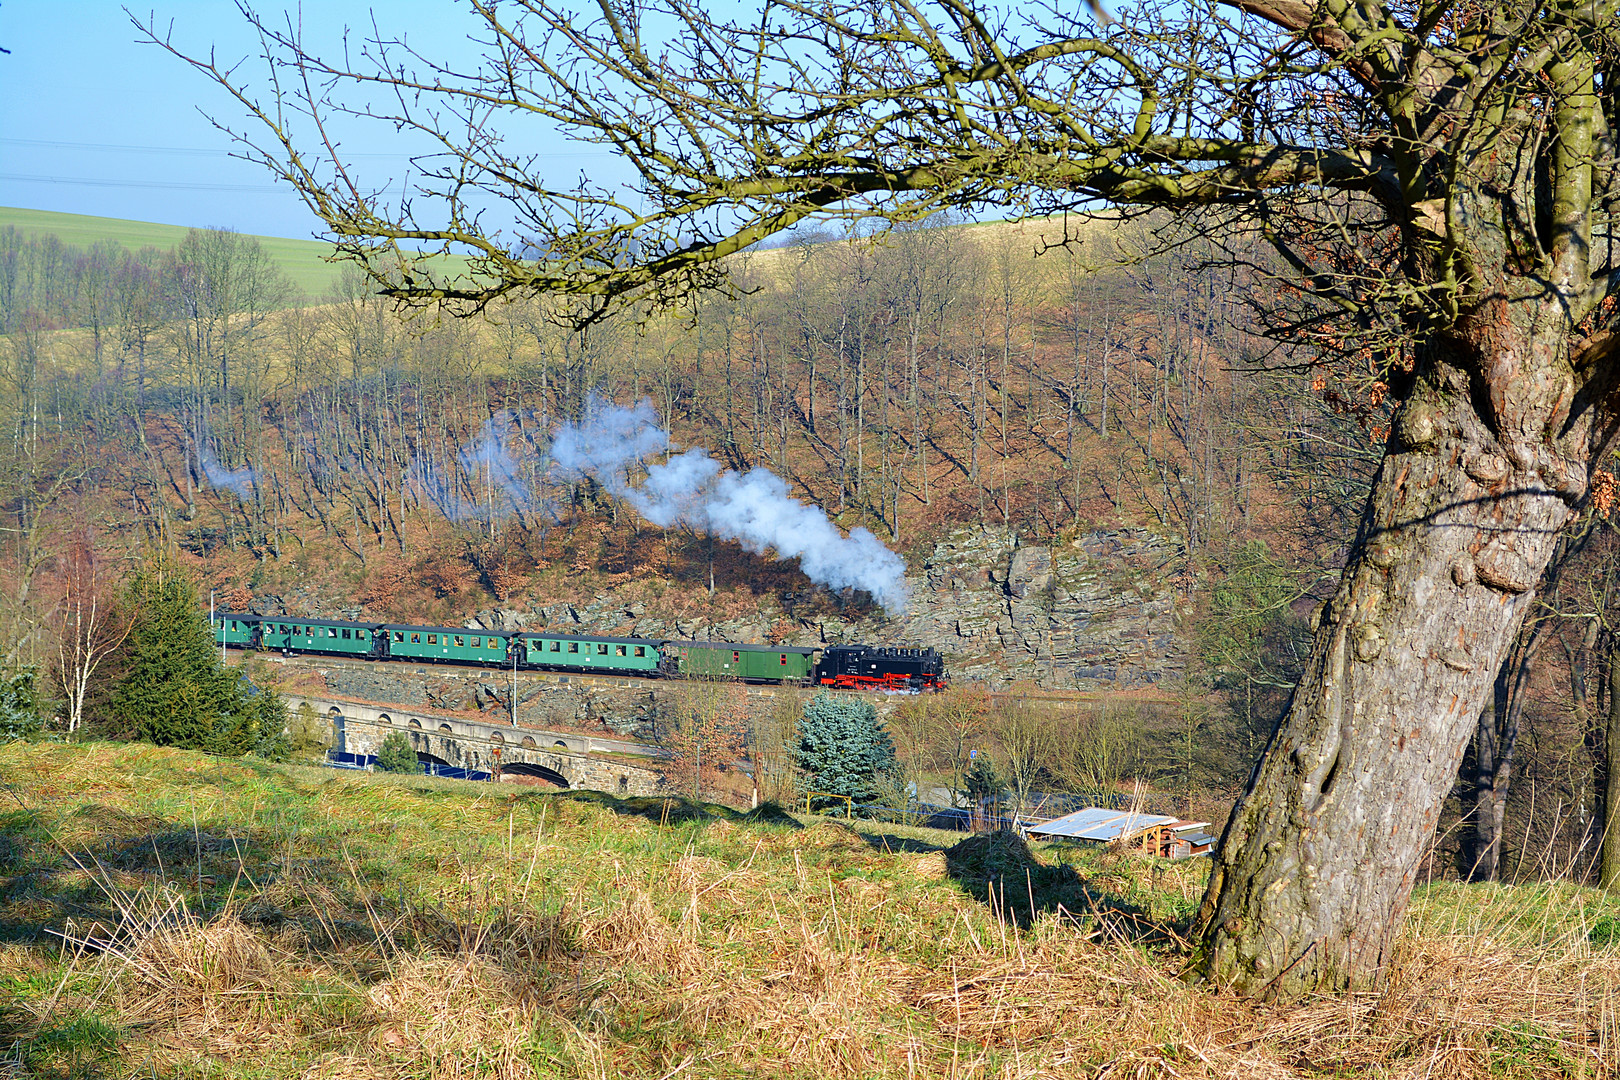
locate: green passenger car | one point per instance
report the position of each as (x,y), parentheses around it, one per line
(561,652)
(729,660)
(447,643)
(235,628)
(329,636)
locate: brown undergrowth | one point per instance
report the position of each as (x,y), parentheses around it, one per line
(290,922)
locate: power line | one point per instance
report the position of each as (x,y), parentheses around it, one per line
(197,151)
(121,148)
(84,181)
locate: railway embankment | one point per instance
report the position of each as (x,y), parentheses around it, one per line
(1099,613)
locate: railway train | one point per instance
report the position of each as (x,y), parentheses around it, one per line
(850,667)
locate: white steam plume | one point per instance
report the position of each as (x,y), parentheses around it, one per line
(752,508)
(237,481)
(484,479)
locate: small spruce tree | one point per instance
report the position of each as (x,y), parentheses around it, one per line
(982,783)
(270,726)
(175,690)
(396,756)
(843,747)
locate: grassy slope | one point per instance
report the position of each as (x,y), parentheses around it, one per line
(244,920)
(301,260)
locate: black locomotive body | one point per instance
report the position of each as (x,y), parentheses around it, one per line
(865,667)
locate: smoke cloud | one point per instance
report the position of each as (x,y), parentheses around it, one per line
(752,508)
(491,478)
(506,470)
(237,481)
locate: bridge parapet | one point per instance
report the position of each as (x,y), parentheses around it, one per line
(570,760)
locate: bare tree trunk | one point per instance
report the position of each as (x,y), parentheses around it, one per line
(1318,860)
(1609,867)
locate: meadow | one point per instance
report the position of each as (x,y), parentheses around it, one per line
(164,913)
(303,261)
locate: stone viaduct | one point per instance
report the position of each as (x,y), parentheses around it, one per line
(561,758)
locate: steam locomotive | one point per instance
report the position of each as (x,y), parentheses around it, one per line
(850,667)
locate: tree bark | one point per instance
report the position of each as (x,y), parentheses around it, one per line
(1609,871)
(1321,852)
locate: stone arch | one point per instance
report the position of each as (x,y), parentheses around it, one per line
(529,743)
(623,784)
(383,718)
(415,723)
(446,729)
(340,742)
(497,738)
(560,743)
(536,772)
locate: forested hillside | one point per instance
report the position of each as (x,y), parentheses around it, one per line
(324,456)
(939,377)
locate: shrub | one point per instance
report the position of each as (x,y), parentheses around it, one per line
(395,755)
(20,707)
(843,748)
(307,731)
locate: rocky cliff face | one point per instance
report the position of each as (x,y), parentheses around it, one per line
(1098,612)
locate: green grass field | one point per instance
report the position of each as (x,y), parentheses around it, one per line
(168,914)
(300,260)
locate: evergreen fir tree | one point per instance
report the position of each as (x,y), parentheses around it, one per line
(175,690)
(270,726)
(396,756)
(843,748)
(982,783)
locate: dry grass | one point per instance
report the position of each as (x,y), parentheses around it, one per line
(310,924)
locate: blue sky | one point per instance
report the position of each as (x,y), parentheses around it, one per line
(92,122)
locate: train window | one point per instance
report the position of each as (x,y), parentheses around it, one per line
(345,633)
(331,631)
(618,650)
(736,657)
(784,659)
(601,650)
(461,642)
(493,643)
(433,639)
(555,646)
(573,646)
(641,650)
(416,639)
(477,642)
(399,635)
(283,628)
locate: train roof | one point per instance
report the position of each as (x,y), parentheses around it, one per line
(303,621)
(476,630)
(546,635)
(739,646)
